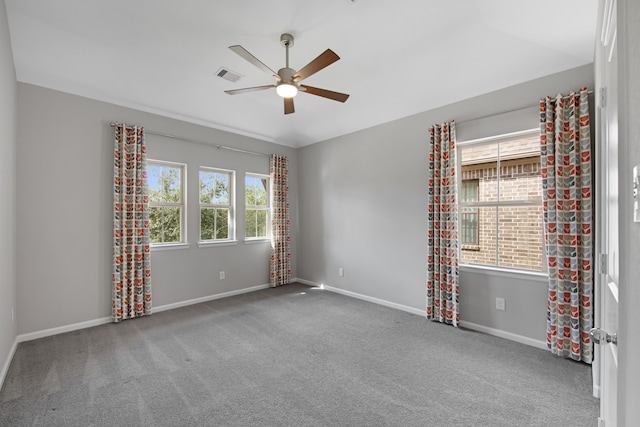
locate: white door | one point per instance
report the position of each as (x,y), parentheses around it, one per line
(607,245)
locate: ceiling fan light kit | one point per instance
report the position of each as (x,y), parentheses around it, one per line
(287,79)
(286,90)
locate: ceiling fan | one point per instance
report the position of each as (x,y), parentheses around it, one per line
(287,79)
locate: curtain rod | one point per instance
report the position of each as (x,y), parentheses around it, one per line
(219,146)
(590,92)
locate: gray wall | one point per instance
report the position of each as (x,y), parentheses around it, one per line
(363,208)
(64,205)
(8,140)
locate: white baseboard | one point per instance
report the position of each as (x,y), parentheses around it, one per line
(7,363)
(504,334)
(62,329)
(307,282)
(363,297)
(473,326)
(207,298)
(386,303)
(90,323)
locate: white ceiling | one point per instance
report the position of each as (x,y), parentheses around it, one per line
(398,57)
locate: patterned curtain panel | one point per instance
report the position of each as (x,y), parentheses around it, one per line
(280,238)
(565,153)
(442,279)
(131,292)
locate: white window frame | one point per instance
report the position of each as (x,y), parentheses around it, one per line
(231,239)
(266,208)
(460,145)
(182,167)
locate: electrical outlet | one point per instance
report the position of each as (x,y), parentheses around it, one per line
(501,304)
(341,272)
(222,276)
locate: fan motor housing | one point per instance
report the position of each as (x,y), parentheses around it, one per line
(286,74)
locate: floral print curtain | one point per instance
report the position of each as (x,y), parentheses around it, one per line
(280,266)
(442,226)
(131,276)
(565,153)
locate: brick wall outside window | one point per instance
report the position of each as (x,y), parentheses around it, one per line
(520,227)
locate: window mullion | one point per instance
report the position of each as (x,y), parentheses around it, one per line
(162,240)
(497,237)
(215,223)
(490,204)
(498,173)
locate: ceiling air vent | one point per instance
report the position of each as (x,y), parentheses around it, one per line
(227,74)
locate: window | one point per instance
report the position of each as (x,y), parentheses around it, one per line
(501,202)
(216,205)
(469,216)
(257,206)
(166,202)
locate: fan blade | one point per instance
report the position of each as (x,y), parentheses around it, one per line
(336,96)
(323,60)
(248,89)
(288,106)
(255,61)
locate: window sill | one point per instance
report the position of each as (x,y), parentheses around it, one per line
(170,247)
(534,276)
(256,240)
(211,244)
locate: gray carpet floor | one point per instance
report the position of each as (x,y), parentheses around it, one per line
(290,356)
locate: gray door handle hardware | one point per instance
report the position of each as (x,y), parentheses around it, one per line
(602,337)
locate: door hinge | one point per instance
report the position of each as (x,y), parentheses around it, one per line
(603,97)
(602,264)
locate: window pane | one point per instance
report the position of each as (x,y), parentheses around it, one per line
(520,237)
(520,169)
(255,191)
(207,223)
(154,182)
(250,190)
(519,147)
(503,235)
(222,223)
(262,223)
(485,251)
(256,223)
(171,184)
(251,225)
(221,195)
(164,224)
(469,190)
(155,224)
(262,195)
(469,226)
(214,188)
(469,216)
(479,164)
(164,183)
(171,224)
